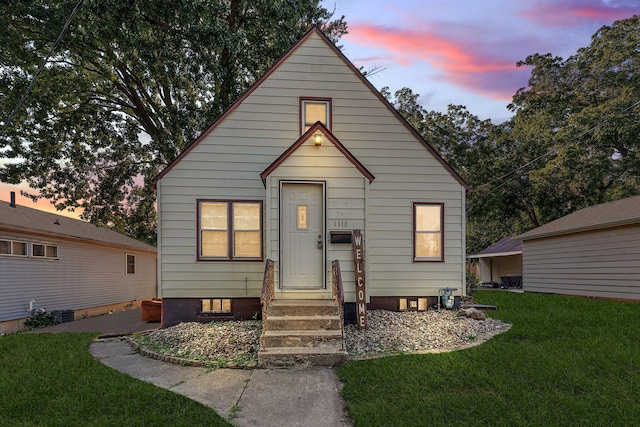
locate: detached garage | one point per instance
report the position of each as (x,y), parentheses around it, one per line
(594,252)
(501,264)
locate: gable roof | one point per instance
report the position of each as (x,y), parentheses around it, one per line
(606,215)
(314,30)
(503,247)
(318,127)
(22,219)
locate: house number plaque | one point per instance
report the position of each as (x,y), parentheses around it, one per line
(361,295)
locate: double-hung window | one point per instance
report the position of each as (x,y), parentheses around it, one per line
(428,232)
(131,264)
(230,230)
(314,110)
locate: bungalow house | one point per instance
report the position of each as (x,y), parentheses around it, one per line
(311,159)
(592,252)
(67,266)
(501,264)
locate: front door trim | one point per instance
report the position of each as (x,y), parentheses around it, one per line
(281,184)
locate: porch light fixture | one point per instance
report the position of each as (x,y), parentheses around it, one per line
(317,139)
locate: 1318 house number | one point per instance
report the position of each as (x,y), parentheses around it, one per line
(341,224)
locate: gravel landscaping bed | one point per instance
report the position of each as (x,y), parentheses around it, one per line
(237,343)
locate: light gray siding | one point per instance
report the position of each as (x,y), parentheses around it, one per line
(84,276)
(227,163)
(603,264)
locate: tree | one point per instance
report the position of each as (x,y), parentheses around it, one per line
(132,83)
(578,123)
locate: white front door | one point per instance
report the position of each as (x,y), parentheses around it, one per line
(302,236)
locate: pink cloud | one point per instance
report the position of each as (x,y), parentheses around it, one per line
(459,63)
(571,13)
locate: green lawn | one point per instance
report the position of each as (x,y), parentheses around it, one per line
(566,361)
(52,380)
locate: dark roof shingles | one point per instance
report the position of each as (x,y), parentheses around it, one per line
(617,213)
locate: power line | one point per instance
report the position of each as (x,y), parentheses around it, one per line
(41,68)
(553,151)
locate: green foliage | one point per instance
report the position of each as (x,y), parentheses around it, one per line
(52,379)
(565,361)
(132,83)
(472,284)
(579,117)
(39,319)
(574,139)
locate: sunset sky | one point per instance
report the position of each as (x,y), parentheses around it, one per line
(458,51)
(465,51)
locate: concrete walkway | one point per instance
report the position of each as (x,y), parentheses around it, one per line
(308,397)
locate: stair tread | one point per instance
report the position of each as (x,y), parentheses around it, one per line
(303,302)
(305,317)
(302,350)
(329,332)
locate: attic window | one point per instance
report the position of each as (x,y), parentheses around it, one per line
(314,110)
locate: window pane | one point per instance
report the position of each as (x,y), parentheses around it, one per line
(19,248)
(131,264)
(216,305)
(38,250)
(428,245)
(428,218)
(302,217)
(246,216)
(226,305)
(315,111)
(213,216)
(5,247)
(247,244)
(52,252)
(214,243)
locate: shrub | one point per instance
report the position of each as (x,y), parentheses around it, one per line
(39,319)
(473,284)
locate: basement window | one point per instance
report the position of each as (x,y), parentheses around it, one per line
(216,306)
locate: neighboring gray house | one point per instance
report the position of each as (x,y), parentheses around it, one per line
(501,264)
(62,264)
(593,252)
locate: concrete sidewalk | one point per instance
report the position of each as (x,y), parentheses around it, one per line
(306,397)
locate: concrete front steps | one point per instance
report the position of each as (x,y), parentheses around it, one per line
(302,332)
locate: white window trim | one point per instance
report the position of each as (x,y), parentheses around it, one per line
(304,125)
(11,242)
(46,246)
(126,263)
